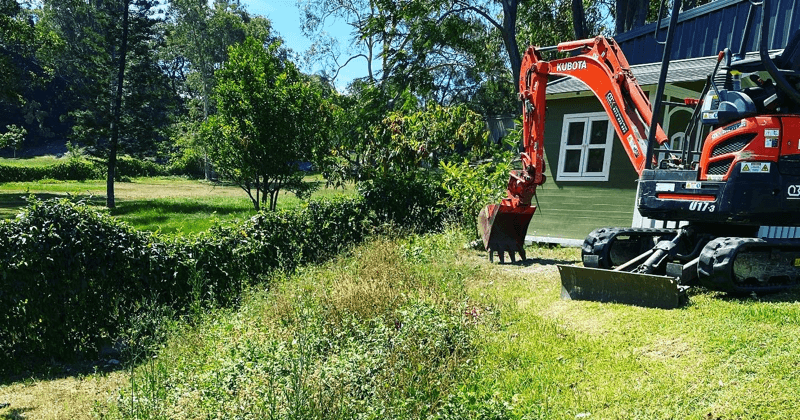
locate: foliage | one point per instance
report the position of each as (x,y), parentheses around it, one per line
(71,169)
(129,166)
(409,200)
(81,169)
(328,51)
(470,187)
(423,138)
(17,42)
(366,145)
(187,154)
(376,335)
(270,119)
(88,57)
(71,277)
(13,138)
(199,35)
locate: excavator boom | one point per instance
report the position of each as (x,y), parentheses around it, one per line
(601,65)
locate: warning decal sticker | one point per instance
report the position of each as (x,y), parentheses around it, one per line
(755,167)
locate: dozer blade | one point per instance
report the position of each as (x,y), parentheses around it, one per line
(503,229)
(600,285)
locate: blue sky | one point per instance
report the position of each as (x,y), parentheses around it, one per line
(285,18)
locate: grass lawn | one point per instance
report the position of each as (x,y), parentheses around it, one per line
(167,205)
(37,161)
(417,327)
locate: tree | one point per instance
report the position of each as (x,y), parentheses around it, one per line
(16,44)
(107,56)
(198,38)
(13,138)
(269,119)
(441,50)
(326,49)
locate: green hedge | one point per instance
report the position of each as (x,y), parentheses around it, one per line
(131,167)
(72,277)
(69,170)
(411,200)
(81,170)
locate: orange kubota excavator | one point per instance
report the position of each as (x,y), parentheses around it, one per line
(745,174)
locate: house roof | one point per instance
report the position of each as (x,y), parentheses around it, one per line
(707,29)
(688,70)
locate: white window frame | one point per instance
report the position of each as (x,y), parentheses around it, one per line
(587,118)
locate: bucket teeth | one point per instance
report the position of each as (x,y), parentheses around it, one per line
(503,229)
(502,255)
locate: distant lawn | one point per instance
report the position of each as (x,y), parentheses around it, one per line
(31,161)
(165,204)
(573,212)
(180,205)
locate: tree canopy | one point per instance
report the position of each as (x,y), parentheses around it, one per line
(270,119)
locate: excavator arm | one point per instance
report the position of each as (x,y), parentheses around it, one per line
(602,66)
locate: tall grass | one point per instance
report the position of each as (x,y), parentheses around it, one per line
(383,333)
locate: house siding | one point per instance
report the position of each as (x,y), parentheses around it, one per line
(621,173)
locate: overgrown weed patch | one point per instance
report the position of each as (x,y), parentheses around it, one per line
(371,335)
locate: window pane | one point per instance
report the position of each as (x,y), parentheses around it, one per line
(575,134)
(572,161)
(599,132)
(595,161)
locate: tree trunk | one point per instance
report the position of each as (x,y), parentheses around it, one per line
(641,13)
(622,15)
(579,20)
(510,37)
(112,148)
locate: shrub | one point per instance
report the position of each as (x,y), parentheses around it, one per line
(411,200)
(187,164)
(471,187)
(68,170)
(78,169)
(128,166)
(72,277)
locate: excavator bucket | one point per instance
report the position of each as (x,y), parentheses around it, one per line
(503,229)
(601,285)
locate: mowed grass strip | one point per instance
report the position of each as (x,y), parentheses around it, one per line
(719,357)
(163,204)
(38,161)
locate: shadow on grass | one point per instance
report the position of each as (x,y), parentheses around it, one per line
(542,261)
(15,413)
(39,370)
(790,295)
(127,208)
